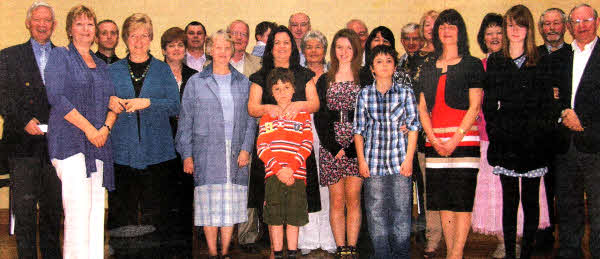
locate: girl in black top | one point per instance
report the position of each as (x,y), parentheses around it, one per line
(515,106)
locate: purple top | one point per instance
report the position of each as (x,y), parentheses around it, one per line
(71,84)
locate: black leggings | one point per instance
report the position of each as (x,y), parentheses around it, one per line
(530,190)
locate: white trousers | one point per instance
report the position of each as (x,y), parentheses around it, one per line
(83,204)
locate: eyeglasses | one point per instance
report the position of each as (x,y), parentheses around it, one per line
(587,21)
(140,37)
(238,34)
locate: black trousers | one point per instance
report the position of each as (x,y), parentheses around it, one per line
(139,197)
(34,183)
(529,197)
(576,173)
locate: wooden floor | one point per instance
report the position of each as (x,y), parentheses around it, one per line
(478,246)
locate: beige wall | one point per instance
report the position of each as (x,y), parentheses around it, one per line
(328,16)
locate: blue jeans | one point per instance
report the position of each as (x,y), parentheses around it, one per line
(388,201)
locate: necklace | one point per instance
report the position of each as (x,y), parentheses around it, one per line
(137,79)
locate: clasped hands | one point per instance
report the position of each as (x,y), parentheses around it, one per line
(119,105)
(97,137)
(445,148)
(286,176)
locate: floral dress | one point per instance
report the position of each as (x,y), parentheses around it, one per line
(340,102)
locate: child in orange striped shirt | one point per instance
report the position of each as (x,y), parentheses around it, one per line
(284,143)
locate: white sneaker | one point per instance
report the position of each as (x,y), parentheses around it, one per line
(500,251)
(305,251)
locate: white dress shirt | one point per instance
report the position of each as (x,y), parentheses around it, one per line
(580,59)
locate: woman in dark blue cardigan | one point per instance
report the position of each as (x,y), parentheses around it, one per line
(142,137)
(79,89)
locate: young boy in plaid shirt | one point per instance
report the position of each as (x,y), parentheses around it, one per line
(385,153)
(284,144)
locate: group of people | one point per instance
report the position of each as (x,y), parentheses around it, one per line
(214,136)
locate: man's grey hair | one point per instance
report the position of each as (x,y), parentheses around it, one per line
(314,35)
(409,28)
(583,5)
(358,21)
(37,4)
(553,9)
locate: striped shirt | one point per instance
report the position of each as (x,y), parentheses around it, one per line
(285,143)
(378,118)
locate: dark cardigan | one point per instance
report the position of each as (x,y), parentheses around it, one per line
(468,73)
(517,113)
(325,118)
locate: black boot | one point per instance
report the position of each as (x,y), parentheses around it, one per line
(278,254)
(292,254)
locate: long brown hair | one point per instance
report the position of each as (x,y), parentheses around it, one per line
(520,15)
(356,54)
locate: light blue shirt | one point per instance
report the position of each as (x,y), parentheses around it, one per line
(226,99)
(41,53)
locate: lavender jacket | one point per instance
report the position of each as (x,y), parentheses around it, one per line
(200,133)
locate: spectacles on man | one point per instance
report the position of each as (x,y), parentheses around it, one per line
(586,22)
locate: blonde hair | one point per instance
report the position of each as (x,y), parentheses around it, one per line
(219,34)
(75,13)
(136,21)
(431,13)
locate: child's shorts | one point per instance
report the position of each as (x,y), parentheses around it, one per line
(285,204)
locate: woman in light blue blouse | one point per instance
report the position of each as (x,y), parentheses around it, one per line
(215,136)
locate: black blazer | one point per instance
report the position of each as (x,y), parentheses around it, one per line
(558,71)
(24,98)
(517,114)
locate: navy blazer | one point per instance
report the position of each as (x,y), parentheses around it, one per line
(201,131)
(24,97)
(153,142)
(558,74)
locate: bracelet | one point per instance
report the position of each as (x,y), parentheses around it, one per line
(106,127)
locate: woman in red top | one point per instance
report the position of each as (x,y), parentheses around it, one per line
(451,86)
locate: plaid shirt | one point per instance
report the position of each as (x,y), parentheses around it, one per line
(378,118)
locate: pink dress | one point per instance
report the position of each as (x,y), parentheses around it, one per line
(487,208)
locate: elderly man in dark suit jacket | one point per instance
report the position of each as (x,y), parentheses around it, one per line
(576,74)
(25,110)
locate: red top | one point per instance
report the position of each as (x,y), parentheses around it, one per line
(285,143)
(446,120)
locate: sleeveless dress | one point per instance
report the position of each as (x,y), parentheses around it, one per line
(451,181)
(341,97)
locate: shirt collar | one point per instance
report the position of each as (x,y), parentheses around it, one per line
(189,56)
(587,47)
(549,47)
(260,43)
(38,46)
